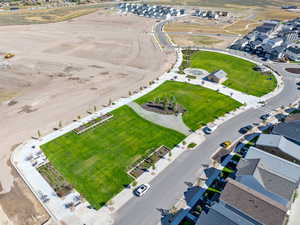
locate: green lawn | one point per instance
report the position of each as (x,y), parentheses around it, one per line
(203,105)
(241,75)
(96,161)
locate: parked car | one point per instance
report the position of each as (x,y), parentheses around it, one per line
(245,129)
(265,116)
(141,190)
(226,144)
(298,83)
(209,129)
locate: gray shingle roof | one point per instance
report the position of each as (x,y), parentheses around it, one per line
(275,164)
(253,203)
(254,174)
(289,130)
(278,184)
(280,142)
(219,74)
(221,213)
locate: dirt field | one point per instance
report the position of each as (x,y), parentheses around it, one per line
(60,71)
(202,41)
(241,21)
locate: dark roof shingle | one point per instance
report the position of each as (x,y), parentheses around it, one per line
(251,202)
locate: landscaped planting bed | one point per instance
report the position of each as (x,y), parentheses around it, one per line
(241,74)
(92,123)
(145,164)
(96,162)
(202,105)
(55,179)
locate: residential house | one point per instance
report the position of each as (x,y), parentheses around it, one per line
(291,36)
(279,146)
(275,164)
(239,44)
(222,213)
(276,53)
(254,204)
(290,130)
(252,173)
(218,76)
(293,52)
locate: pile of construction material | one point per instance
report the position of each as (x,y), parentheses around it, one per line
(155,11)
(209,14)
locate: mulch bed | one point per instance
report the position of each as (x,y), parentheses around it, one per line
(293,70)
(55,179)
(158,108)
(143,166)
(92,123)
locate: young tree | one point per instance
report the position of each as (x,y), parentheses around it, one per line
(134,183)
(95,108)
(60,124)
(153,166)
(129,93)
(39,133)
(110,202)
(110,102)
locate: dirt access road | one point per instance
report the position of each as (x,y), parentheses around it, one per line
(60,71)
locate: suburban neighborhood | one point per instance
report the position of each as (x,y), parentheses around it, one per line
(110,120)
(274,40)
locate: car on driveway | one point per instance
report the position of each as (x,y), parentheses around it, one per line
(265,116)
(245,129)
(226,144)
(141,190)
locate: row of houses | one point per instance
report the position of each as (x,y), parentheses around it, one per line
(209,14)
(264,182)
(155,11)
(273,40)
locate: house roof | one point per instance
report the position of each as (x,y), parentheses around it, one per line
(289,130)
(219,74)
(280,142)
(252,173)
(253,203)
(294,49)
(221,213)
(275,164)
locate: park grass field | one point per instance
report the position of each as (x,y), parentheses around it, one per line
(241,75)
(96,162)
(203,105)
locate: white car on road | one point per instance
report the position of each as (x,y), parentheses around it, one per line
(141,190)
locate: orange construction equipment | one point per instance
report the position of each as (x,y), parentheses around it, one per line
(9,55)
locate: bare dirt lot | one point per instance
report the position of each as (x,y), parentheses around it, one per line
(60,71)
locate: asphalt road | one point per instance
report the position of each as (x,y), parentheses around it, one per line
(170,185)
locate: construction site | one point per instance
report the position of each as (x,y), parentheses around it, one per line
(68,69)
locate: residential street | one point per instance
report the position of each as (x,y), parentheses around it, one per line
(169,186)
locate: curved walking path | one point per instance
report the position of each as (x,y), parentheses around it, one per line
(170,121)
